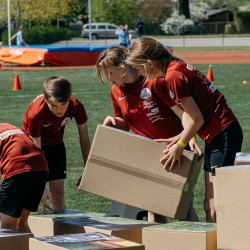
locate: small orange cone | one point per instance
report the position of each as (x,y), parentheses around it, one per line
(17,84)
(210,75)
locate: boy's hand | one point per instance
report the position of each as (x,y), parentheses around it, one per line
(46,196)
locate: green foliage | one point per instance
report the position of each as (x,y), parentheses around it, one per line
(242,21)
(184,8)
(229,29)
(42,35)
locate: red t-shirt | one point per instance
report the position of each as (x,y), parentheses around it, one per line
(184,81)
(39,121)
(145,106)
(18,153)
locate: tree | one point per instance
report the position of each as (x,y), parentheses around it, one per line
(121,12)
(184,8)
(39,11)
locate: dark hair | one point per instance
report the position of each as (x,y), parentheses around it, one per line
(57,88)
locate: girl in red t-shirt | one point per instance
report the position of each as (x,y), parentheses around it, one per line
(206,105)
(141,105)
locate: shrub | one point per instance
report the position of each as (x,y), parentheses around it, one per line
(41,35)
(177,25)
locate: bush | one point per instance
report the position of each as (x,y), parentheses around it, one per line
(41,35)
(177,25)
(229,29)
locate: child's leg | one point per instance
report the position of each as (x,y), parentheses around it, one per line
(8,222)
(22,224)
(57,192)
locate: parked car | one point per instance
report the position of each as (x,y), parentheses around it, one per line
(102,30)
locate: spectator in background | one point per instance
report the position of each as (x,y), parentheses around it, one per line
(19,37)
(140,27)
(123,36)
(129,34)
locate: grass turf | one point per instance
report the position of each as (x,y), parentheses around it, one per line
(96,99)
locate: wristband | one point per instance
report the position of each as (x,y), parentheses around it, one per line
(182,144)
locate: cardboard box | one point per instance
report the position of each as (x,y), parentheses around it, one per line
(126,168)
(83,242)
(233,206)
(180,236)
(13,240)
(128,229)
(45,224)
(242,159)
(126,211)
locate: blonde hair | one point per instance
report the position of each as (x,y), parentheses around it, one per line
(147,48)
(112,57)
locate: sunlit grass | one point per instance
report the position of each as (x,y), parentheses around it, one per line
(96,99)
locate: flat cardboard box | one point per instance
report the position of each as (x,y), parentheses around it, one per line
(126,168)
(242,158)
(45,224)
(128,229)
(83,242)
(180,236)
(233,206)
(13,240)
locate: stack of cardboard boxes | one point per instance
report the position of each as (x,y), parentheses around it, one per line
(126,168)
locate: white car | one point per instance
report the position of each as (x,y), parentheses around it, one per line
(102,30)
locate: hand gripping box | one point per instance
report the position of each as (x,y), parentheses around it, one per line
(181,235)
(233,207)
(126,168)
(86,241)
(13,240)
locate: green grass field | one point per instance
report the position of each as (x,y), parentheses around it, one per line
(95,97)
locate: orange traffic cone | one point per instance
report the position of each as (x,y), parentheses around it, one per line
(17,84)
(210,75)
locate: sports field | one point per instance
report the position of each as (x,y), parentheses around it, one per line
(95,97)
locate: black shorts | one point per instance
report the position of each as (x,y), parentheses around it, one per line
(221,151)
(56,158)
(23,190)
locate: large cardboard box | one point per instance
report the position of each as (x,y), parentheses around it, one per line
(13,240)
(242,158)
(46,224)
(126,168)
(83,242)
(233,207)
(128,229)
(180,236)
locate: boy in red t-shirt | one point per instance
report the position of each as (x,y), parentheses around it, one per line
(24,171)
(45,121)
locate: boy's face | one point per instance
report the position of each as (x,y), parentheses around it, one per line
(57,108)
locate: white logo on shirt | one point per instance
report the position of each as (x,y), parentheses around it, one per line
(46,125)
(190,67)
(8,133)
(145,93)
(171,94)
(65,121)
(212,88)
(122,97)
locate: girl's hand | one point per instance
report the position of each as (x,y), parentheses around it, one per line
(172,155)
